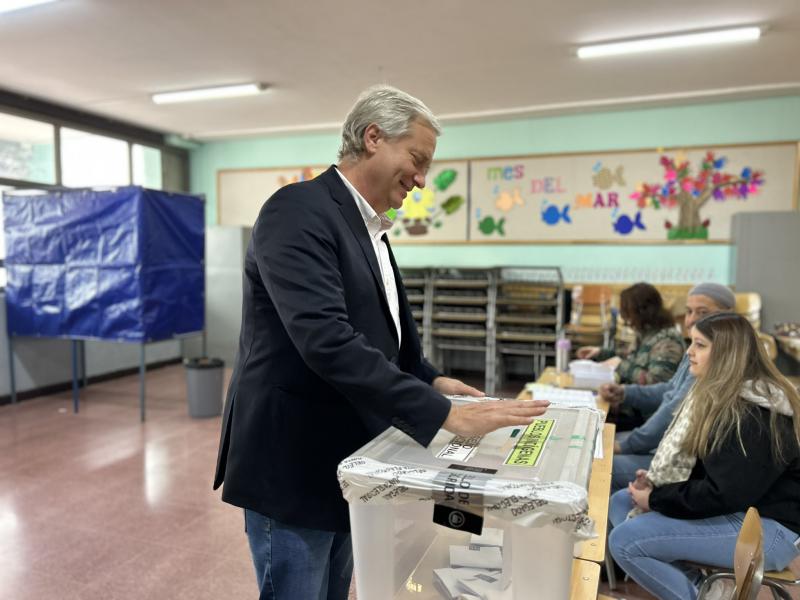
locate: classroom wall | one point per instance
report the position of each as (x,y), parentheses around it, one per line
(747,121)
(43,362)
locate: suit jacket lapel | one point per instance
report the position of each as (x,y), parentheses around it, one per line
(355,221)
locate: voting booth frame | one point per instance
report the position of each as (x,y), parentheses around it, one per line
(124,264)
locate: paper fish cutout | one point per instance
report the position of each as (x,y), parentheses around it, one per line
(551,214)
(488,226)
(604,178)
(625,225)
(508,200)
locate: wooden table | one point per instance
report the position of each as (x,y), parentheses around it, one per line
(552,377)
(585,580)
(789,345)
(599,491)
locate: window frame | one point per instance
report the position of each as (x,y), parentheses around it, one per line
(56,133)
(59,147)
(61,117)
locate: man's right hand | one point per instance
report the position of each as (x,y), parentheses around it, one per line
(613,393)
(480,418)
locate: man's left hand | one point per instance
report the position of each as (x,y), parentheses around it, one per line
(453,387)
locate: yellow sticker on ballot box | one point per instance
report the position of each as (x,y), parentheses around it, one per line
(528,449)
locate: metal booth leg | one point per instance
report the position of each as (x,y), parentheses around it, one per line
(75,393)
(84,377)
(141,383)
(11,377)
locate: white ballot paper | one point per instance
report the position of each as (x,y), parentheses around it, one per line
(482,584)
(490,537)
(561,396)
(482,557)
(448,581)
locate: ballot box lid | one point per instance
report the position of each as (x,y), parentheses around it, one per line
(531,476)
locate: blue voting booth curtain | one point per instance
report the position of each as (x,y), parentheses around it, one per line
(124,264)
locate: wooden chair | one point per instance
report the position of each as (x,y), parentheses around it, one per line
(748,566)
(769,344)
(748,304)
(748,561)
(590,320)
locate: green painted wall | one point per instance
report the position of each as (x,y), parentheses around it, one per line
(582,262)
(748,121)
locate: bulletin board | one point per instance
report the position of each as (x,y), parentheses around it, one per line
(648,196)
(643,196)
(242,192)
(439,211)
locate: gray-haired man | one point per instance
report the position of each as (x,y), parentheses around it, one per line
(633,450)
(329,354)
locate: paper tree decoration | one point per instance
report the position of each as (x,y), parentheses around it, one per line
(691,192)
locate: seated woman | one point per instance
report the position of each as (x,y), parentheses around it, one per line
(734,443)
(659,346)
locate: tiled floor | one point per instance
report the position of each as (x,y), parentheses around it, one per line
(100,506)
(97,505)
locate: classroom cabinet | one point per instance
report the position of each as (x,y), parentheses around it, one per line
(495,321)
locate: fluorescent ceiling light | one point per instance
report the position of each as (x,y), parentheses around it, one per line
(684,40)
(226,91)
(11,5)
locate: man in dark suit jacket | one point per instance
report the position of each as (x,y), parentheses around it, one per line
(329,354)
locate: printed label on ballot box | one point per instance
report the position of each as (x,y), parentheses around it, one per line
(528,449)
(460,448)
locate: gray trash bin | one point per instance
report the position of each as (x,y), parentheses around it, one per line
(204,386)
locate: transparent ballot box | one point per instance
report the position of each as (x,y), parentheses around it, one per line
(492,517)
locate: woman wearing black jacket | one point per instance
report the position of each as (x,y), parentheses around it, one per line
(743,434)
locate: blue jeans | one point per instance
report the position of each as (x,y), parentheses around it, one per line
(294,563)
(624,467)
(651,547)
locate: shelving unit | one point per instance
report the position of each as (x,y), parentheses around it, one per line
(418,290)
(486,319)
(460,318)
(529,314)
